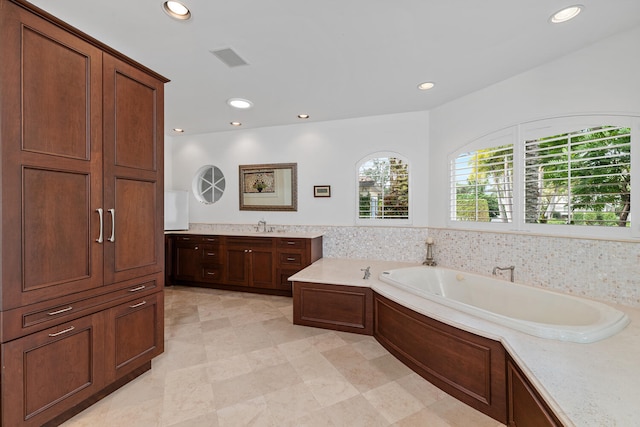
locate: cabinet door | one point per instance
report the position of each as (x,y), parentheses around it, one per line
(133,179)
(51,371)
(186,260)
(135,334)
(51,139)
(262,268)
(237,271)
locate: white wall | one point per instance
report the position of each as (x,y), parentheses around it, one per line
(602,78)
(326,154)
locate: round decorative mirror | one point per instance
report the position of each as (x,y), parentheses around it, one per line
(208,184)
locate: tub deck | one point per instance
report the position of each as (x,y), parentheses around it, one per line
(595,384)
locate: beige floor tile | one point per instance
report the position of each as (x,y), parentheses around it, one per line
(356,412)
(236,359)
(393,402)
(457,414)
(331,390)
(250,413)
(290,403)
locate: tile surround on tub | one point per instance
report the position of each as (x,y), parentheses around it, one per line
(605,270)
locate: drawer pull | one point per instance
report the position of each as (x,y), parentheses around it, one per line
(69,329)
(138,304)
(291,259)
(291,243)
(139,288)
(210,273)
(64,310)
(211,254)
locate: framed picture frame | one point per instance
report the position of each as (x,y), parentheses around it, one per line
(321,191)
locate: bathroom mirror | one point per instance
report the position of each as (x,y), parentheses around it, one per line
(269,187)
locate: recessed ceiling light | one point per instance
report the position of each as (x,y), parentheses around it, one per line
(178,130)
(566,14)
(240,103)
(426,85)
(303,116)
(236,124)
(176,10)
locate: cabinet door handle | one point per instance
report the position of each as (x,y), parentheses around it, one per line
(99,239)
(138,304)
(64,310)
(195,248)
(113,225)
(69,329)
(139,288)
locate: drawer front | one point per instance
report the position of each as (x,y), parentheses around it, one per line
(29,319)
(213,240)
(290,259)
(211,254)
(212,274)
(250,242)
(291,243)
(194,239)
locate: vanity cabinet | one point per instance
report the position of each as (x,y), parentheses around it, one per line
(526,406)
(81,210)
(250,262)
(257,264)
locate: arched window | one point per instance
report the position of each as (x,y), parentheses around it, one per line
(568,174)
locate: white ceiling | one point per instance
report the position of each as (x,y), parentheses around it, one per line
(335,59)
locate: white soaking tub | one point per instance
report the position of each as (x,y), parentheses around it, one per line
(536,311)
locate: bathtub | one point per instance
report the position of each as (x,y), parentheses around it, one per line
(535,311)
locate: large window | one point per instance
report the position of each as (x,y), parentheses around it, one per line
(383,188)
(579,178)
(573,172)
(483,183)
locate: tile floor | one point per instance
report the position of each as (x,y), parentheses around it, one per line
(236,359)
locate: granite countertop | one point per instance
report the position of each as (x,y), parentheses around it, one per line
(283,234)
(596,384)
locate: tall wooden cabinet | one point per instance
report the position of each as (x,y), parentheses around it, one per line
(82,257)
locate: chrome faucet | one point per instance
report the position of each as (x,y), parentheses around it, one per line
(367,273)
(511,267)
(429,261)
(262,223)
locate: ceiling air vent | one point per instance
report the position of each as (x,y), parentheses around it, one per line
(229,57)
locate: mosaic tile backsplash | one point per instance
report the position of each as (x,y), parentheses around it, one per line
(605,270)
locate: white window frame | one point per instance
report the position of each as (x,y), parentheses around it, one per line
(516,135)
(384,222)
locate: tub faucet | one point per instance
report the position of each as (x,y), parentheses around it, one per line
(367,273)
(511,267)
(429,261)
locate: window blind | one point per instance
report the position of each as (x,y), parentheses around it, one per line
(482,183)
(579,178)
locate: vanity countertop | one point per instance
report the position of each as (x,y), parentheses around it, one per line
(282,234)
(596,384)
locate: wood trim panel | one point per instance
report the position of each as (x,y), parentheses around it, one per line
(336,307)
(526,406)
(469,367)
